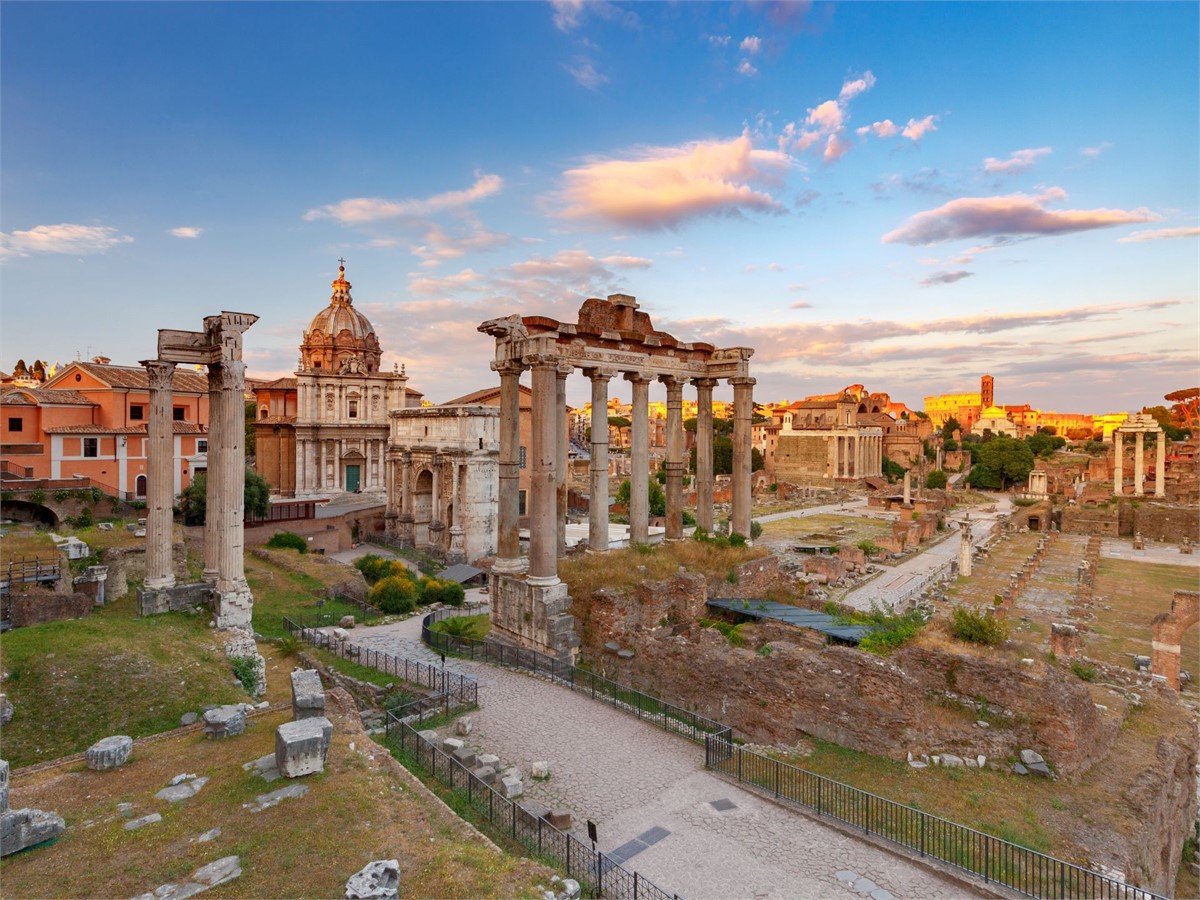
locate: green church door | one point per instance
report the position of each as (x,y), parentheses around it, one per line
(351,478)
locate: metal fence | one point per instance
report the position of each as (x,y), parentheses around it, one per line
(993,859)
(457,688)
(666,716)
(597,875)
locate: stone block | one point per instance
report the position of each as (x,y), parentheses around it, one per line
(189,718)
(182,790)
(301,746)
(540,769)
(951,761)
(511,787)
(109,752)
(340,634)
(6,710)
(308,696)
(486,774)
(3,785)
(465,757)
(135,824)
(378,880)
(449,745)
(463,726)
(560,819)
(219,871)
(105,526)
(225,721)
(346,622)
(1030,757)
(428,735)
(21,828)
(489,759)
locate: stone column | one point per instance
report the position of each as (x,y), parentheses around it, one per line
(543,529)
(561,457)
(859,456)
(508,517)
(230,457)
(674,463)
(965,551)
(213,523)
(639,476)
(908,487)
(1139,464)
(407,520)
(598,505)
(704,452)
(1160,466)
(437,524)
(160,464)
(1118,463)
(743,405)
(455,550)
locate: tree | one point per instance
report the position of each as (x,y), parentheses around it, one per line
(950,427)
(622,425)
(892,470)
(1043,444)
(1187,407)
(256,496)
(655,495)
(1047,429)
(949,444)
(251,411)
(1167,422)
(935,479)
(1009,459)
(930,451)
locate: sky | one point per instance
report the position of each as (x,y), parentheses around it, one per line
(901,195)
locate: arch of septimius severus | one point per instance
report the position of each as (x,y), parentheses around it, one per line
(610,338)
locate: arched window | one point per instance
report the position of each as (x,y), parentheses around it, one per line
(139,486)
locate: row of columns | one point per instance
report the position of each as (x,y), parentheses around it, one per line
(856,455)
(548,461)
(1139,466)
(315,454)
(404,469)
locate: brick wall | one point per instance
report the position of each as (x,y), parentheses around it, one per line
(37,605)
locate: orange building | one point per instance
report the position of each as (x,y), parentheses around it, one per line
(90,421)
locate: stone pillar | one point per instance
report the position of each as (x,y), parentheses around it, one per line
(407,521)
(391,510)
(543,530)
(1118,463)
(212,517)
(561,457)
(908,487)
(1160,466)
(704,452)
(508,521)
(437,523)
(674,464)
(1139,464)
(965,552)
(160,480)
(230,456)
(743,405)
(639,476)
(455,549)
(598,506)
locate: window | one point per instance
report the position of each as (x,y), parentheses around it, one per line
(16,423)
(352,410)
(137,412)
(201,445)
(139,486)
(91,447)
(521,503)
(178,413)
(522,457)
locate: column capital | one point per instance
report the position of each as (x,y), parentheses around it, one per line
(709,383)
(563,368)
(541,360)
(673,381)
(160,372)
(742,381)
(507,367)
(636,377)
(600,374)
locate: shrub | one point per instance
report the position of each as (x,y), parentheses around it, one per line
(977,628)
(869,547)
(737,540)
(62,495)
(935,480)
(394,594)
(37,497)
(287,540)
(289,645)
(733,633)
(755,530)
(1083,670)
(688,519)
(373,567)
(449,592)
(245,670)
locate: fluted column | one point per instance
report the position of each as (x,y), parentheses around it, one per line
(160,477)
(407,520)
(598,505)
(674,463)
(743,410)
(437,525)
(508,522)
(543,530)
(1139,464)
(639,477)
(1160,466)
(1118,463)
(213,517)
(704,452)
(560,462)
(230,494)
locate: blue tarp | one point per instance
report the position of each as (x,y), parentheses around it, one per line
(793,615)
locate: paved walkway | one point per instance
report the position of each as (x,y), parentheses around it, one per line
(652,800)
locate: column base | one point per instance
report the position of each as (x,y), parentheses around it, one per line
(533,615)
(233,608)
(162,583)
(510,566)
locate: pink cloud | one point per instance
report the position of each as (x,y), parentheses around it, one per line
(659,187)
(835,147)
(917,129)
(1018,161)
(745,67)
(826,116)
(358,210)
(586,74)
(439,245)
(750,45)
(800,304)
(885,129)
(852,89)
(78,240)
(1009,215)
(1160,234)
(945,278)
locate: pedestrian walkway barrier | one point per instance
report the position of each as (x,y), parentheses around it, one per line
(597,875)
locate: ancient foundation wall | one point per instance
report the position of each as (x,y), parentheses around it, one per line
(1094,520)
(1158,522)
(38,605)
(534,616)
(802,459)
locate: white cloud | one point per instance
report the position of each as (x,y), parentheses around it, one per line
(627,262)
(718,40)
(827,116)
(567,14)
(885,129)
(186,231)
(1093,152)
(1018,161)
(852,89)
(1160,234)
(917,129)
(79,240)
(745,67)
(358,210)
(750,45)
(586,74)
(775,267)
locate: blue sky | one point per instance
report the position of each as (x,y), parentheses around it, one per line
(902,195)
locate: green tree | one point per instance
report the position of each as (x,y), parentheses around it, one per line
(251,412)
(655,494)
(1044,444)
(950,427)
(1167,422)
(983,477)
(935,479)
(1011,460)
(256,495)
(892,470)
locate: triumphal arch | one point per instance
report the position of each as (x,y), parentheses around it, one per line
(611,338)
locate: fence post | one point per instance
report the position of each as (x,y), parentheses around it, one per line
(514,819)
(922,834)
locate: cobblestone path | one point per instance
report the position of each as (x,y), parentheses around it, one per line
(631,778)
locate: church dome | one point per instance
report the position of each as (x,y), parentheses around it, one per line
(340,339)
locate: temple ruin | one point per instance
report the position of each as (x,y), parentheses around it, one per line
(612,337)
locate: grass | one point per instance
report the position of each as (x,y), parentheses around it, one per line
(76,681)
(367,807)
(474,628)
(285,583)
(816,529)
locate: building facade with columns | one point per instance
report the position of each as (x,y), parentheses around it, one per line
(823,443)
(331,422)
(1139,426)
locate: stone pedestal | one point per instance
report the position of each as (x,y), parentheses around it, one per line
(457,552)
(308,696)
(109,752)
(534,615)
(225,721)
(301,747)
(22,828)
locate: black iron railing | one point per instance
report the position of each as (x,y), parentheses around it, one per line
(457,688)
(598,875)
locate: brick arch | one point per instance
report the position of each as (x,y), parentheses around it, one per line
(1168,630)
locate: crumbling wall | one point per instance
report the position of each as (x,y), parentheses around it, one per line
(35,605)
(1159,522)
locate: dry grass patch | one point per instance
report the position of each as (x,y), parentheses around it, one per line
(364,807)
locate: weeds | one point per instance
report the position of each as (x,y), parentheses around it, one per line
(977,628)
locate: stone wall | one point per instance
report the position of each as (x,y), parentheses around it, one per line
(1158,522)
(755,578)
(803,459)
(38,605)
(1103,521)
(531,615)
(180,597)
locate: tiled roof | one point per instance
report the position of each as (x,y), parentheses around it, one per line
(46,398)
(178,428)
(279,384)
(490,393)
(182,382)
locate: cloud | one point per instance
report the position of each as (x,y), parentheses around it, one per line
(825,122)
(745,67)
(827,116)
(925,181)
(586,75)
(1160,234)
(1093,152)
(438,245)
(885,129)
(186,231)
(915,130)
(800,304)
(718,40)
(852,89)
(576,263)
(945,278)
(76,240)
(750,45)
(570,14)
(807,198)
(1009,215)
(775,267)
(660,187)
(1018,161)
(428,285)
(836,148)
(627,262)
(359,210)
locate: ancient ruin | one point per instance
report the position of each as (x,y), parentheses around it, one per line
(1168,631)
(611,337)
(1139,425)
